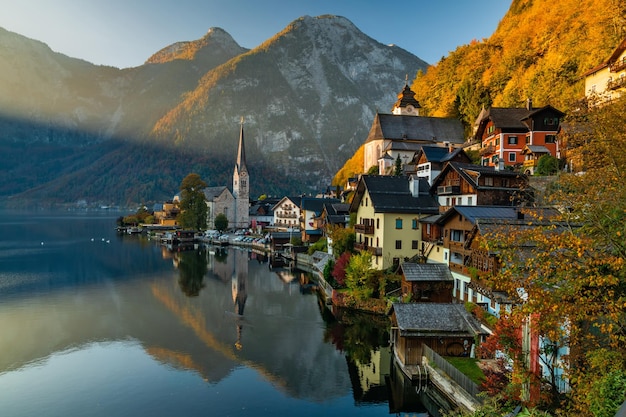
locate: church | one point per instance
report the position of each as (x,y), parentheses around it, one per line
(402,134)
(235,205)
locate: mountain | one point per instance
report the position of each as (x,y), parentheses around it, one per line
(72,131)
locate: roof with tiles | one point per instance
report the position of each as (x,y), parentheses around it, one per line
(416,128)
(391,194)
(426,272)
(435,319)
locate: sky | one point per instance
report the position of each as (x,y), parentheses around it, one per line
(125,33)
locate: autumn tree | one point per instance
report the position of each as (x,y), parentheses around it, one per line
(193,205)
(568,274)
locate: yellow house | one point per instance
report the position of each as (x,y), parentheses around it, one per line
(388,212)
(607,81)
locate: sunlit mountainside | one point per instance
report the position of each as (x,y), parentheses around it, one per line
(540,50)
(72,131)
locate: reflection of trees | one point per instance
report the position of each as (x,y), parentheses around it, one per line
(358,334)
(192,265)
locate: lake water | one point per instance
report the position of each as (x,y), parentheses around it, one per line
(97,324)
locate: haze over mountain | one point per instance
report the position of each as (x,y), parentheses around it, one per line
(71,131)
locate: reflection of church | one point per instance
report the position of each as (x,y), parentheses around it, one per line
(239,290)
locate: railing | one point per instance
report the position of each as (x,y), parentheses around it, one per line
(618,65)
(373,250)
(366,229)
(615,84)
(487,150)
(457,376)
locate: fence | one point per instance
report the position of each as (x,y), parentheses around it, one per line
(457,376)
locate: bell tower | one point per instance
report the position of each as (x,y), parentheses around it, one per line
(241,185)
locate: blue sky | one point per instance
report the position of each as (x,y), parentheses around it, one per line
(124,33)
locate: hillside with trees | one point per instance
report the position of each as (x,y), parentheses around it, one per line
(540,50)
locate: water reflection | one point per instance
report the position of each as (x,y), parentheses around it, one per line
(196,330)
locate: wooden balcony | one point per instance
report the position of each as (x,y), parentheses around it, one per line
(618,65)
(487,150)
(617,83)
(371,249)
(366,229)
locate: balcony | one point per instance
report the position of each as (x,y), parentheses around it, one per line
(618,65)
(487,150)
(615,84)
(448,189)
(371,249)
(366,229)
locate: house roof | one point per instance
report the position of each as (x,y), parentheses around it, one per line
(471,173)
(617,52)
(316,205)
(496,214)
(435,319)
(426,272)
(416,128)
(535,149)
(295,200)
(391,194)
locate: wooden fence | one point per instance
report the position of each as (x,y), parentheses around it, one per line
(457,376)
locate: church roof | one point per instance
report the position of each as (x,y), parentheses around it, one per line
(240,165)
(211,193)
(416,128)
(407,97)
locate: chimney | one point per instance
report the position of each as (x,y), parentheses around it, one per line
(529,104)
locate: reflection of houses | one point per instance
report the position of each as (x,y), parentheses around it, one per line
(401,134)
(607,81)
(448,329)
(287,213)
(388,210)
(472,185)
(505,132)
(368,379)
(427,283)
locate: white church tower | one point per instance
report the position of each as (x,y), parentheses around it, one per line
(241,186)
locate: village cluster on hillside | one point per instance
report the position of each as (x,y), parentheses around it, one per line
(425,197)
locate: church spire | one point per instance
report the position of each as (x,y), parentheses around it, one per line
(241,153)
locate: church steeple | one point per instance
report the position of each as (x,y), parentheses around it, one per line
(406,103)
(240,165)
(241,186)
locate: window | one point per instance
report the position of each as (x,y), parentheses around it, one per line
(497,141)
(457,235)
(550,138)
(469,201)
(398,244)
(512,157)
(377,223)
(527,140)
(489,181)
(366,202)
(414,224)
(398,223)
(414,244)
(512,140)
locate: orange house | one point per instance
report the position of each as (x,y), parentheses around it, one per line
(518,137)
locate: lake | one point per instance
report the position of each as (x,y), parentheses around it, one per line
(93,323)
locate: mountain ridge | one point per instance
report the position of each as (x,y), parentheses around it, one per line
(307,94)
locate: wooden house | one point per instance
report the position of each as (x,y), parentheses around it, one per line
(607,81)
(505,132)
(476,185)
(430,160)
(446,328)
(427,283)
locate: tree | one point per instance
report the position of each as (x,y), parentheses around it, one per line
(397,170)
(568,275)
(547,165)
(193,205)
(358,273)
(221,222)
(343,239)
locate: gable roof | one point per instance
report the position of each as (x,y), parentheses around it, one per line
(295,200)
(211,193)
(435,319)
(471,173)
(617,52)
(391,194)
(315,204)
(496,214)
(441,153)
(425,272)
(416,128)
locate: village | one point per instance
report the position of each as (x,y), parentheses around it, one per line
(421,209)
